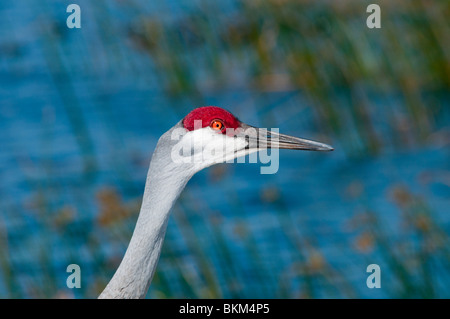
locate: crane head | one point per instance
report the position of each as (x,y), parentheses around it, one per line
(209,135)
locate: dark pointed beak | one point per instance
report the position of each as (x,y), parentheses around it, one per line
(263,139)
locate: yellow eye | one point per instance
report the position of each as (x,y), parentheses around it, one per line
(216,125)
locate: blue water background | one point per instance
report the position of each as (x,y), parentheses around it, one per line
(88,118)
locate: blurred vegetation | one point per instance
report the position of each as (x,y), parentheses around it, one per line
(321,48)
(367,90)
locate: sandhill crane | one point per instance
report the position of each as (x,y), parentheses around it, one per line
(206,136)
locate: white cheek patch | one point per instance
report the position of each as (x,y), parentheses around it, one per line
(205,146)
(222,148)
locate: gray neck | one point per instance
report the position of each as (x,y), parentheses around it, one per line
(165,182)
